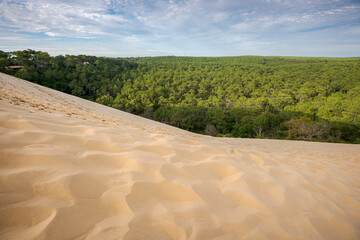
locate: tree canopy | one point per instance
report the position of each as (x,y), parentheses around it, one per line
(246,96)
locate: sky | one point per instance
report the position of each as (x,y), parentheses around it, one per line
(131,28)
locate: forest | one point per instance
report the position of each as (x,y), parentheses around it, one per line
(302,98)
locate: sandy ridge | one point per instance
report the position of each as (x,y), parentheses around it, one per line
(73,169)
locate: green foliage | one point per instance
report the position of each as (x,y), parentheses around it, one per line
(105,100)
(245,128)
(246,96)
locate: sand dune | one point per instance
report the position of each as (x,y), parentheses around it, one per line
(73,169)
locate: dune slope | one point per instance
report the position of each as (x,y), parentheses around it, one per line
(73,169)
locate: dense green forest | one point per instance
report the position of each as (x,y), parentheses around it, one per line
(248,96)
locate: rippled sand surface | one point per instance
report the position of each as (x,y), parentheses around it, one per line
(73,169)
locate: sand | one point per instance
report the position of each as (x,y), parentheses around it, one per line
(73,169)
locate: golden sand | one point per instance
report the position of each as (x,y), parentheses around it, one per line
(74,169)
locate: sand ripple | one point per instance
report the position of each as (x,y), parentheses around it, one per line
(71,169)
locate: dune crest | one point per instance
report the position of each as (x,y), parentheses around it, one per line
(73,169)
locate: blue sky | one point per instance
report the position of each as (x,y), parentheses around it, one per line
(124,28)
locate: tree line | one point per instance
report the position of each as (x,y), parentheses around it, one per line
(305,98)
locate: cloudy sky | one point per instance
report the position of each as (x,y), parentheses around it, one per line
(182,27)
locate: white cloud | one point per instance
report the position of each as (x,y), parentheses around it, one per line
(243,27)
(58,18)
(51,34)
(177,26)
